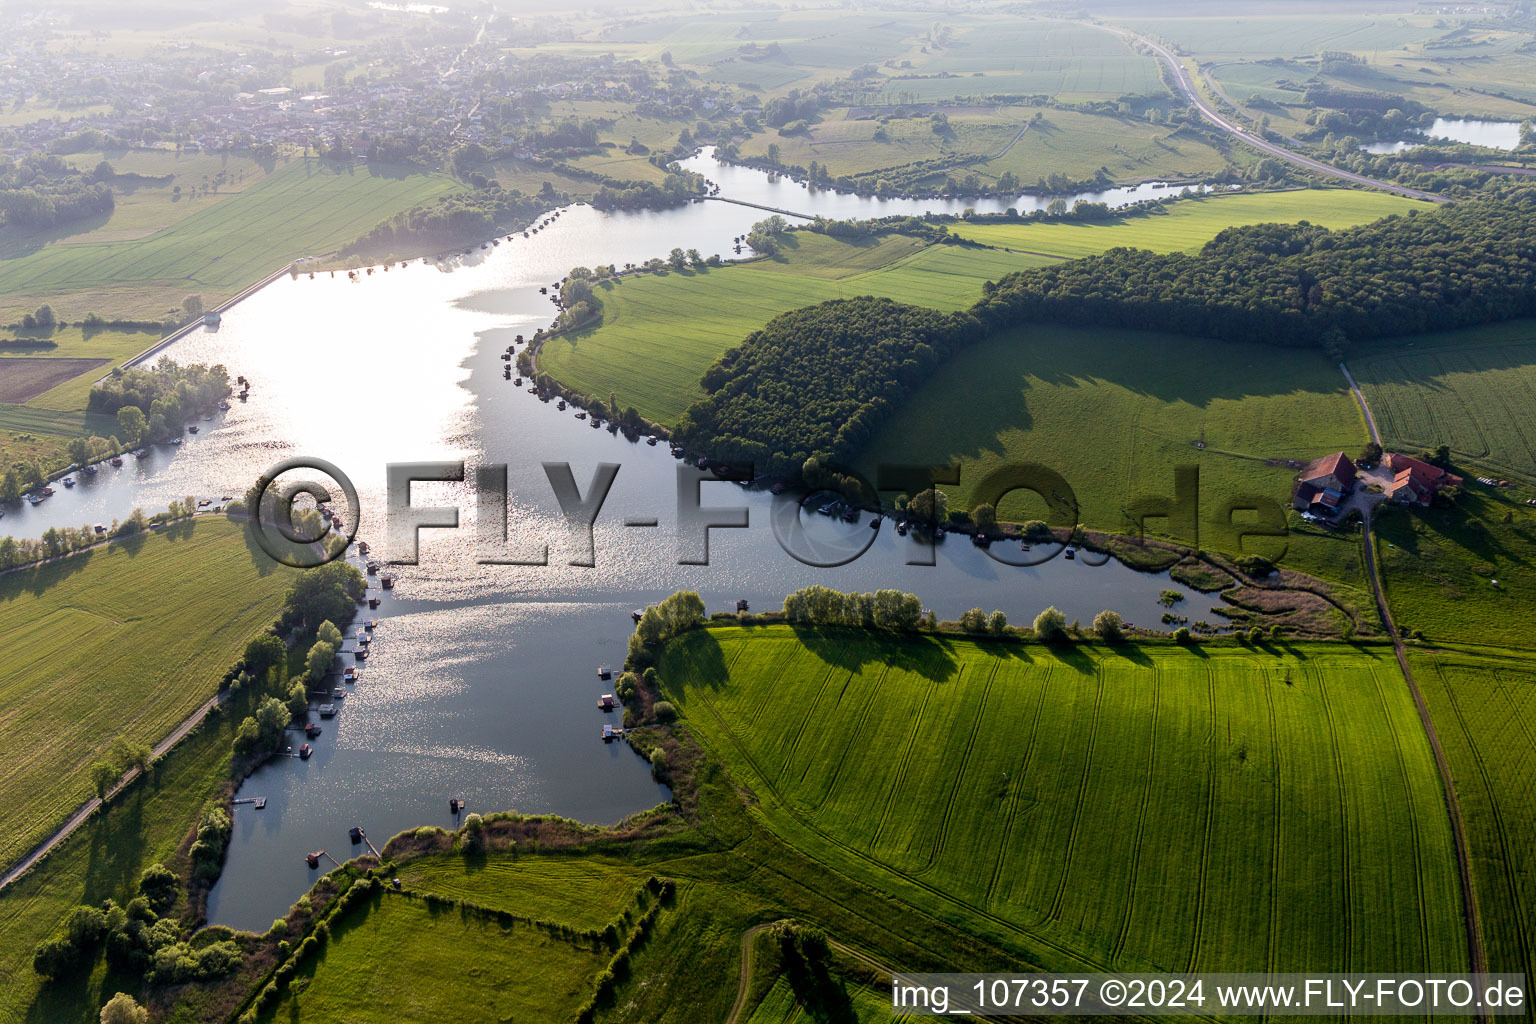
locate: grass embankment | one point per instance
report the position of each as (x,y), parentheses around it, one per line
(1142,808)
(308,207)
(1483,705)
(405,960)
(661,332)
(125,640)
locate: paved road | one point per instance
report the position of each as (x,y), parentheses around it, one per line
(1478,958)
(89,807)
(1191,93)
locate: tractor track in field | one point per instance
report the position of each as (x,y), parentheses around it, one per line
(1124,933)
(1477,954)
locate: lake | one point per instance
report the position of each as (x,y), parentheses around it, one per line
(482,684)
(1492,134)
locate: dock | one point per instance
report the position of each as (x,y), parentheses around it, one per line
(258,802)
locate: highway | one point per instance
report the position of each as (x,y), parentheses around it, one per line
(1191,93)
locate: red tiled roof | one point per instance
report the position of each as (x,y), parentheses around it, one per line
(1336,465)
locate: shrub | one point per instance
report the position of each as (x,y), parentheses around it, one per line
(973,621)
(665,710)
(1182,635)
(1109,626)
(1050,625)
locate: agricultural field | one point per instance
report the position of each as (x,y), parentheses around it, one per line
(661,332)
(1288,35)
(1464,573)
(1131,150)
(308,207)
(1472,390)
(1145,809)
(125,640)
(1190,223)
(1482,704)
(404,960)
(983,57)
(1115,412)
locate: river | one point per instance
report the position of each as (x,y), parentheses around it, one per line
(482,681)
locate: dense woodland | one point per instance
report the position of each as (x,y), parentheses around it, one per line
(43,192)
(817,382)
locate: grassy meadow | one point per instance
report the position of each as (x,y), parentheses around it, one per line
(403,960)
(1465,573)
(125,640)
(307,207)
(1115,411)
(1138,809)
(584,892)
(1189,224)
(661,332)
(1483,705)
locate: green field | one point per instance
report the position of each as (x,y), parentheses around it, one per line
(1483,706)
(309,207)
(661,332)
(403,960)
(125,640)
(1115,411)
(1153,809)
(1288,35)
(1472,390)
(1189,224)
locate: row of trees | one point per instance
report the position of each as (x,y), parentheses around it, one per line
(884,609)
(43,191)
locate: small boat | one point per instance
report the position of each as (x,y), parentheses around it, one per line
(370,624)
(92,470)
(117,460)
(1071,553)
(607,702)
(581,415)
(244,395)
(205,502)
(596,424)
(561,406)
(637,614)
(311,730)
(69,481)
(604,672)
(517,382)
(355,834)
(305,751)
(225,406)
(174,440)
(373,602)
(455,805)
(327,710)
(141,453)
(337,693)
(387,582)
(192,429)
(651,440)
(47,492)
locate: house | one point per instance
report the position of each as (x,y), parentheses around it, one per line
(1416,482)
(1323,485)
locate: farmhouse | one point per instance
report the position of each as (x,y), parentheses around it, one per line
(1415,482)
(1323,484)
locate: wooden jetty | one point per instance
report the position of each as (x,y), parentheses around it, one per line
(258,802)
(313,859)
